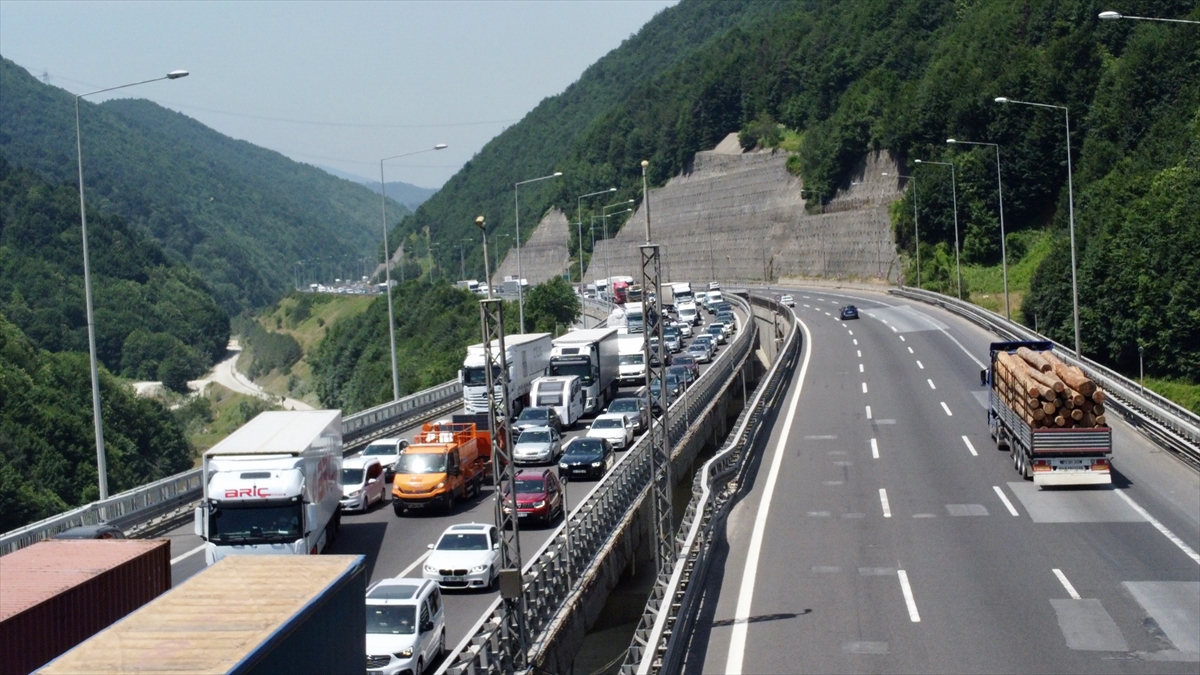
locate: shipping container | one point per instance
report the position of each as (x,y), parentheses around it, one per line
(255,615)
(56,594)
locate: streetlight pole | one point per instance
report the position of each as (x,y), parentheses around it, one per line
(462,261)
(916,229)
(954,192)
(387,264)
(97,421)
(520,275)
(579,222)
(605,214)
(1109,16)
(1003,246)
(1070,207)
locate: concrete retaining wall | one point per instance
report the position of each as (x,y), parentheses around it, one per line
(543,256)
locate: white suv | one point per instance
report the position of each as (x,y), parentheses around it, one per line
(406,626)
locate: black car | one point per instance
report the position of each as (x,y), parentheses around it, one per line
(586,458)
(849,312)
(538,417)
(683,374)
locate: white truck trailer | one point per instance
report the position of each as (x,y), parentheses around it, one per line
(527,354)
(273,486)
(631,359)
(564,393)
(592,355)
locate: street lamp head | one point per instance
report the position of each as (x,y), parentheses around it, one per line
(612,189)
(479,222)
(1109,16)
(440,146)
(557,173)
(176,74)
(645,163)
(1001,99)
(951,140)
(918,161)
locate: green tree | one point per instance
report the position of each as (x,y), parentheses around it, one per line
(551,306)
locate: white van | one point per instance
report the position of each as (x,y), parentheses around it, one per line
(564,393)
(406,626)
(713,298)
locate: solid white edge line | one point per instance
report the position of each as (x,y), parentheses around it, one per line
(1000,493)
(908,596)
(1160,527)
(874,448)
(883,501)
(1067,584)
(737,639)
(188,554)
(416,562)
(969,446)
(947,409)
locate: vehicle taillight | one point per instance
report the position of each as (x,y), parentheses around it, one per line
(1042,465)
(1100,465)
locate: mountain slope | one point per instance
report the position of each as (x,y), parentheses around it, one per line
(240,214)
(411,196)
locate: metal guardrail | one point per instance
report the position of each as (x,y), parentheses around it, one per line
(1174,427)
(661,638)
(593,524)
(133,508)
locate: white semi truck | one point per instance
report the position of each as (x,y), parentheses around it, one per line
(632,359)
(592,355)
(273,486)
(527,354)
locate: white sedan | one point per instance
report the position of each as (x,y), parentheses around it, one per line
(466,556)
(615,427)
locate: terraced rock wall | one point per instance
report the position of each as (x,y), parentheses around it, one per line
(543,256)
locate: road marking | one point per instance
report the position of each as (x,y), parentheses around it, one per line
(931,385)
(864,387)
(908,596)
(188,554)
(874,449)
(893,329)
(910,351)
(856,342)
(868,412)
(860,368)
(883,501)
(828,314)
(883,320)
(737,641)
(972,449)
(807,305)
(1160,527)
(416,562)
(947,409)
(902,338)
(999,493)
(1067,584)
(919,364)
(859,353)
(945,332)
(852,333)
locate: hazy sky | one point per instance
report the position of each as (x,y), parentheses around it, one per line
(339,84)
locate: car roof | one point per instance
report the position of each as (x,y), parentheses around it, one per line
(398,591)
(468,527)
(536,429)
(359,462)
(610,416)
(532,473)
(535,408)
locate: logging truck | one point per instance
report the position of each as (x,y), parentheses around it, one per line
(1048,415)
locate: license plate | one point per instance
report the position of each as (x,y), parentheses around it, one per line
(455,578)
(416,506)
(578,470)
(1070,462)
(522,515)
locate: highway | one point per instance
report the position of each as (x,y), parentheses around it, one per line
(396,546)
(882,531)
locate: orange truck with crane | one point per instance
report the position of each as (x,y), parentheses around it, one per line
(446,462)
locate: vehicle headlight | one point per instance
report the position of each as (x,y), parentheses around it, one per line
(597,465)
(478,569)
(440,485)
(355,493)
(431,569)
(538,505)
(404,654)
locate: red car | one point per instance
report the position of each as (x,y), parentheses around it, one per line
(539,496)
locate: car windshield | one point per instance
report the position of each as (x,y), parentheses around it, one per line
(632,359)
(585,449)
(392,619)
(462,541)
(610,423)
(703,339)
(377,449)
(533,415)
(352,476)
(677,372)
(534,437)
(421,463)
(526,486)
(623,405)
(697,347)
(684,360)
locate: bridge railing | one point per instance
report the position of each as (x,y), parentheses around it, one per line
(555,572)
(144,504)
(662,636)
(1174,427)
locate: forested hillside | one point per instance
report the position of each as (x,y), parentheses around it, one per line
(241,215)
(155,318)
(47,451)
(834,80)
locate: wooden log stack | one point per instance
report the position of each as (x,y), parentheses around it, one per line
(1046,392)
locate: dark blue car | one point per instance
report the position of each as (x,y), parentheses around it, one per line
(849,312)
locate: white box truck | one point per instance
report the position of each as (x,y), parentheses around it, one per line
(273,486)
(635,318)
(564,393)
(527,354)
(631,359)
(592,355)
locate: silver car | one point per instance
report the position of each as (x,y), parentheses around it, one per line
(537,445)
(699,351)
(634,409)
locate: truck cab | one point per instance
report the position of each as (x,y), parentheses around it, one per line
(446,462)
(632,368)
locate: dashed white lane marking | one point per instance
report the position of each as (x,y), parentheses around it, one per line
(1067,585)
(864,387)
(905,588)
(970,447)
(859,353)
(893,329)
(416,562)
(860,368)
(852,333)
(931,384)
(883,320)
(856,342)
(737,640)
(883,501)
(947,409)
(902,338)
(920,365)
(1160,527)
(944,332)
(188,554)
(868,412)
(828,314)
(874,449)
(807,305)
(999,493)
(910,351)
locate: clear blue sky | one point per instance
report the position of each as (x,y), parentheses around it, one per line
(339,84)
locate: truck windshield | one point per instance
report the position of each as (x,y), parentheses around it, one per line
(421,463)
(392,619)
(583,370)
(476,376)
(632,359)
(255,524)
